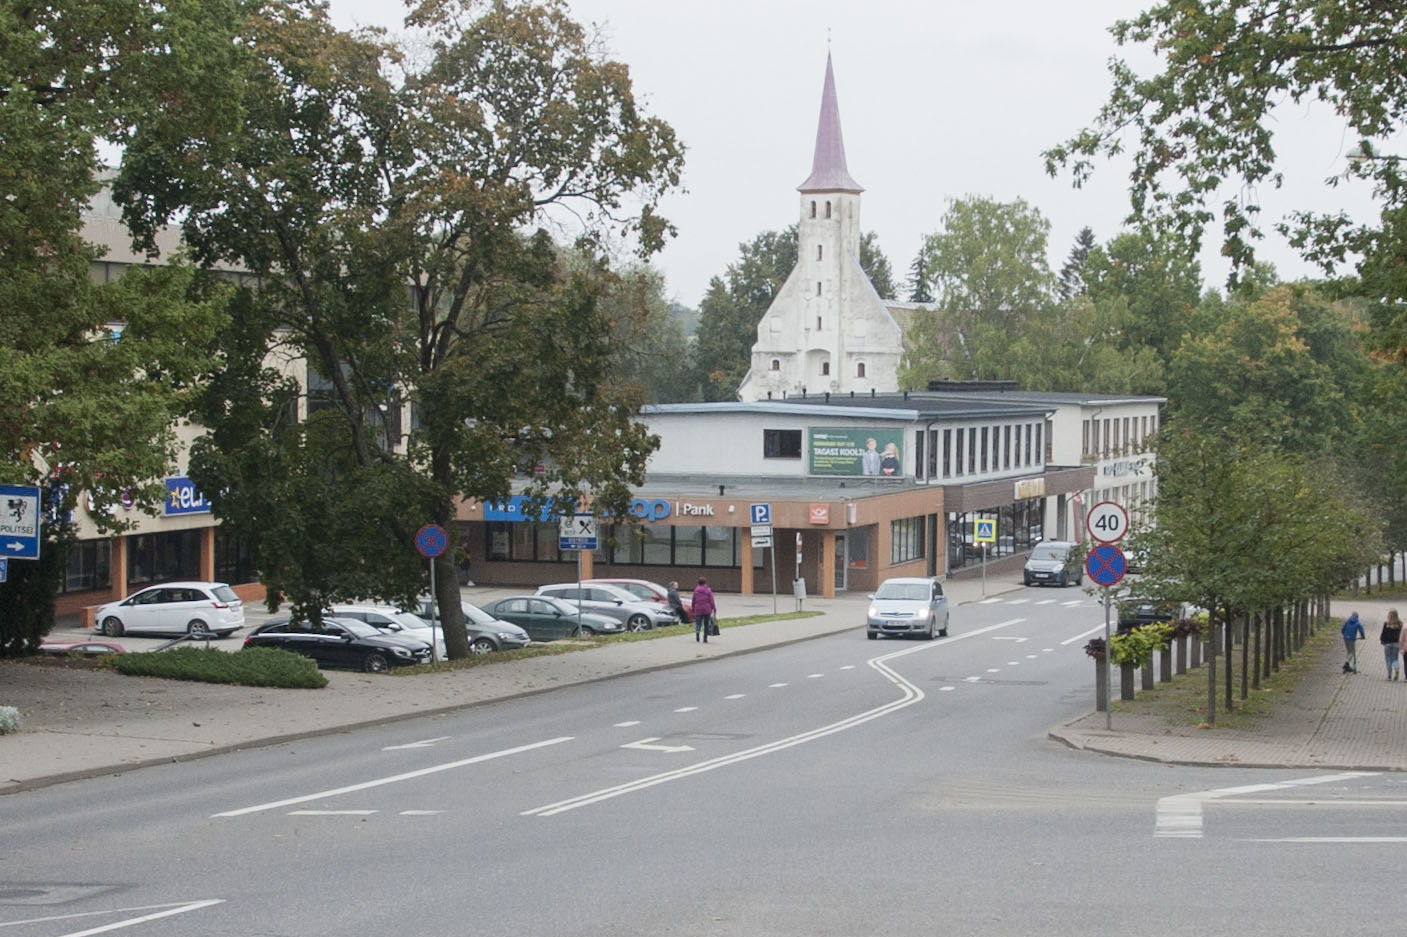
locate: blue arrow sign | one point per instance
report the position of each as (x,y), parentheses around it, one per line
(19,522)
(1105,564)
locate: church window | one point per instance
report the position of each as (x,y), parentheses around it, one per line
(828,209)
(818,252)
(860,369)
(818,323)
(818,287)
(776,364)
(825,368)
(813,208)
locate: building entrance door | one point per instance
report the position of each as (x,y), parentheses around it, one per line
(842,563)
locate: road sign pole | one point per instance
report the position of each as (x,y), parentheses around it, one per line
(773,551)
(1108,667)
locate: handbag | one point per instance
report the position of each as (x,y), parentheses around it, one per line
(712,625)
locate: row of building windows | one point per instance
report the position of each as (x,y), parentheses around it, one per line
(640,545)
(975,450)
(157,557)
(1020,526)
(1116,436)
(906,540)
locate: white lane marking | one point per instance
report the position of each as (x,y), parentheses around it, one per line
(848,667)
(686,709)
(814,676)
(1075,604)
(909,694)
(972,679)
(1013,663)
(1046,602)
(424,743)
(626,725)
(407,776)
(1333,839)
(421,813)
(773,686)
(994,670)
(179,907)
(990,601)
(1017,601)
(644,745)
(118,925)
(330,813)
(1083,634)
(1032,656)
(946,689)
(735,696)
(1180,816)
(1009,637)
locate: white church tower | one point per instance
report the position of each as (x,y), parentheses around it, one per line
(827,330)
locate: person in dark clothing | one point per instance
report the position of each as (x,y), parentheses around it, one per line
(704,609)
(1352,632)
(1391,637)
(675,602)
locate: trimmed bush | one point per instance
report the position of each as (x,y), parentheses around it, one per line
(255,666)
(9,720)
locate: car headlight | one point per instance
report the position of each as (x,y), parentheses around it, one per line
(919,613)
(507,636)
(401,651)
(874,611)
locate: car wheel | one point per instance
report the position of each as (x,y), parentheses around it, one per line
(1064,579)
(199,629)
(482,646)
(112,627)
(932,629)
(374,663)
(871,635)
(943,632)
(637,623)
(1025,580)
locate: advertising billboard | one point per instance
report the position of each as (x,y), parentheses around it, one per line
(856,451)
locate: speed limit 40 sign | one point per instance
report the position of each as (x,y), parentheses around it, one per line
(1107,522)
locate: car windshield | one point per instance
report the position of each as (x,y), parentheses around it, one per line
(905,591)
(352,626)
(225,594)
(1050,553)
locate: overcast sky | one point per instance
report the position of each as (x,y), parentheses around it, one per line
(937,101)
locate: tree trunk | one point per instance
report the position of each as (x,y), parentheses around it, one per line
(1165,664)
(1101,686)
(1147,674)
(1181,654)
(1245,655)
(1255,677)
(1195,649)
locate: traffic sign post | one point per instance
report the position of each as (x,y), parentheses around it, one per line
(1107,522)
(432,541)
(984,531)
(19,522)
(577,532)
(1105,565)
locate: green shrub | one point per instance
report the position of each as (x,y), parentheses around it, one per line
(255,666)
(1136,647)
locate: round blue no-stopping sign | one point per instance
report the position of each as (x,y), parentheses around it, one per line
(431,540)
(1105,564)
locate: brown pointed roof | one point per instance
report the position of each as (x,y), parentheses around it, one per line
(828,172)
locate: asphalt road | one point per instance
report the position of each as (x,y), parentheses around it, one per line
(834,787)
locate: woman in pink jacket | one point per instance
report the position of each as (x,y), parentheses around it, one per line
(704,609)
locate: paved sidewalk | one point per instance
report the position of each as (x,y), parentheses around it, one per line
(85,723)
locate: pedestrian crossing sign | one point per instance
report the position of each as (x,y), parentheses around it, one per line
(984,530)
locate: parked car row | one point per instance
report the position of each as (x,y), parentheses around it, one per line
(374,637)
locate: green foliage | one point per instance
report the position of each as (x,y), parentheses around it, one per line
(1150,278)
(648,345)
(919,289)
(255,666)
(27,595)
(395,209)
(1072,276)
(1204,124)
(1135,647)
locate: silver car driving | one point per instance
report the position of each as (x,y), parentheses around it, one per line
(907,607)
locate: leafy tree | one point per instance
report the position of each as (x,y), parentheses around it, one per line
(1257,377)
(1205,122)
(649,348)
(989,274)
(738,300)
(80,409)
(399,230)
(1072,280)
(1160,287)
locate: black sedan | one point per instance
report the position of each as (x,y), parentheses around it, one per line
(342,642)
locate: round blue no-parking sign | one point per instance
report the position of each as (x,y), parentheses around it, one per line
(1105,564)
(431,540)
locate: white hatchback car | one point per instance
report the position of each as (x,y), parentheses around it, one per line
(198,608)
(907,607)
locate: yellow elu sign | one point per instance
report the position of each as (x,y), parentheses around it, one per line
(984,530)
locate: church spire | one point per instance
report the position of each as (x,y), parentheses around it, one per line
(828,172)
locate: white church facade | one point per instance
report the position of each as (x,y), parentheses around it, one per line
(827,330)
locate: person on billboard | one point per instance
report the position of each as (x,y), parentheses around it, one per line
(889,463)
(870,458)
